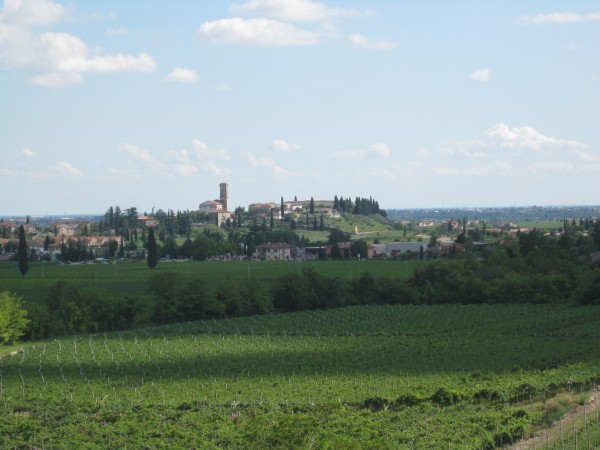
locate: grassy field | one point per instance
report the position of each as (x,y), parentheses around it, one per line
(132,277)
(358,377)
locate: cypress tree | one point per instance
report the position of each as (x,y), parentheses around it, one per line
(23,263)
(152,250)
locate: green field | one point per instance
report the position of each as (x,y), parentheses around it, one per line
(131,277)
(359,377)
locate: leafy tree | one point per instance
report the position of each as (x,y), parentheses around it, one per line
(336,235)
(282,209)
(312,206)
(359,248)
(152,250)
(13,318)
(23,263)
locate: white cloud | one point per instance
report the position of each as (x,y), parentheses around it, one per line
(203,152)
(376,151)
(380,150)
(186,169)
(256,32)
(179,155)
(224,87)
(293,10)
(7,172)
(284,146)
(214,169)
(56,79)
(585,156)
(482,75)
(137,152)
(32,12)
(270,163)
(60,58)
(503,136)
(28,153)
(440,170)
(362,41)
(558,167)
(63,167)
(560,18)
(182,75)
(279,171)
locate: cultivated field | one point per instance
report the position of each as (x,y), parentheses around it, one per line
(357,377)
(131,277)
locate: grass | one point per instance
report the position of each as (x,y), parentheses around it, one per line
(131,277)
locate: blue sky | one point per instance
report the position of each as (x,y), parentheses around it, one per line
(418,104)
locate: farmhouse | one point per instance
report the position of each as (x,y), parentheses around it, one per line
(275,252)
(396,248)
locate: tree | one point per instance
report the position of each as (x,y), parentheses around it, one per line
(360,249)
(152,250)
(312,206)
(13,318)
(336,235)
(282,212)
(271,221)
(23,263)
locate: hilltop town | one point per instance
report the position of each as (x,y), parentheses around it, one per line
(304,229)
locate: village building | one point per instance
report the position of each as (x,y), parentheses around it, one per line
(217,210)
(275,252)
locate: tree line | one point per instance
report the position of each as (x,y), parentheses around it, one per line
(520,270)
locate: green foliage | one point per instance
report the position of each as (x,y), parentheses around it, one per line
(152,258)
(13,318)
(358,377)
(22,252)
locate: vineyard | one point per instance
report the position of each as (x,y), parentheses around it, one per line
(452,376)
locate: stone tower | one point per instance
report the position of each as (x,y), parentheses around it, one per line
(224,195)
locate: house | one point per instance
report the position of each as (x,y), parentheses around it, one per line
(393,249)
(210,206)
(275,252)
(263,210)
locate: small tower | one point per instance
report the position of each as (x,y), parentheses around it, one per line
(224,195)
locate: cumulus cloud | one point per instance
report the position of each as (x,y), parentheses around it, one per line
(560,18)
(185,169)
(375,151)
(56,79)
(137,152)
(63,167)
(181,75)
(293,10)
(362,41)
(482,75)
(7,172)
(503,136)
(28,153)
(558,167)
(60,58)
(270,163)
(32,13)
(255,32)
(283,146)
(204,152)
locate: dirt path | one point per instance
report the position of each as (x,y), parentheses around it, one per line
(553,434)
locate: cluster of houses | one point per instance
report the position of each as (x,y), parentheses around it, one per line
(286,252)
